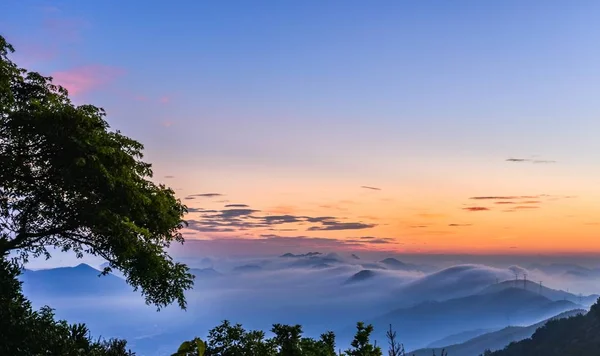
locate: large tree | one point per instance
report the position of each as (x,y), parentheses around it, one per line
(67,181)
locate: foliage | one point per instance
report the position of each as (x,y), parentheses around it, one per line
(27,332)
(69,182)
(361,346)
(195,347)
(575,336)
(233,340)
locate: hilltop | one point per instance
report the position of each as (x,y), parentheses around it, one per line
(495,340)
(577,335)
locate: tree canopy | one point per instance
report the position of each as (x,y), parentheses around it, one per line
(67,181)
(31,333)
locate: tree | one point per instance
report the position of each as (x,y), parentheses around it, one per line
(361,346)
(287,338)
(67,181)
(395,348)
(27,332)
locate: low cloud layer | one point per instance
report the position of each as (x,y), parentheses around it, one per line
(240,217)
(370,188)
(538,161)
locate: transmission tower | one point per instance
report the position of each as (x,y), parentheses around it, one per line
(524,280)
(540,287)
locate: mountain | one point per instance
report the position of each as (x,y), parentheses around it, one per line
(457,338)
(392,263)
(309,254)
(247,268)
(315,260)
(321,265)
(577,335)
(363,275)
(493,340)
(205,273)
(567,269)
(549,293)
(81,280)
(453,282)
(428,321)
(372,266)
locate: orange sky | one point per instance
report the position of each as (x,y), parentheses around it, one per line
(436,214)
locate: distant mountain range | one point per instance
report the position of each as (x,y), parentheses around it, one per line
(457,338)
(81,280)
(204,273)
(248,268)
(566,269)
(495,340)
(577,335)
(428,321)
(309,254)
(454,282)
(549,293)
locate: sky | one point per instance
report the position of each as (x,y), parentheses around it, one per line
(416,127)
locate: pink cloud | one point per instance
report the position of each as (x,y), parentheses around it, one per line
(167,123)
(164,100)
(140,98)
(87,78)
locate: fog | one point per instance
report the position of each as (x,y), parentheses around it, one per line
(320,292)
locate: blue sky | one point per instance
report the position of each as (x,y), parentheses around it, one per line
(287,103)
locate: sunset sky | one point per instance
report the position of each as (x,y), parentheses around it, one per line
(406,126)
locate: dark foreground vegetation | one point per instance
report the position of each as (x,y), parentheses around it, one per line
(67,182)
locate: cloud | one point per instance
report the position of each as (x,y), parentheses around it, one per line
(200,210)
(164,100)
(371,188)
(476,208)
(318,219)
(282,219)
(459,225)
(168,123)
(236,206)
(246,218)
(372,240)
(529,160)
(335,225)
(417,226)
(509,197)
(230,213)
(84,79)
(169,177)
(520,207)
(377,241)
(207,195)
(504,202)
